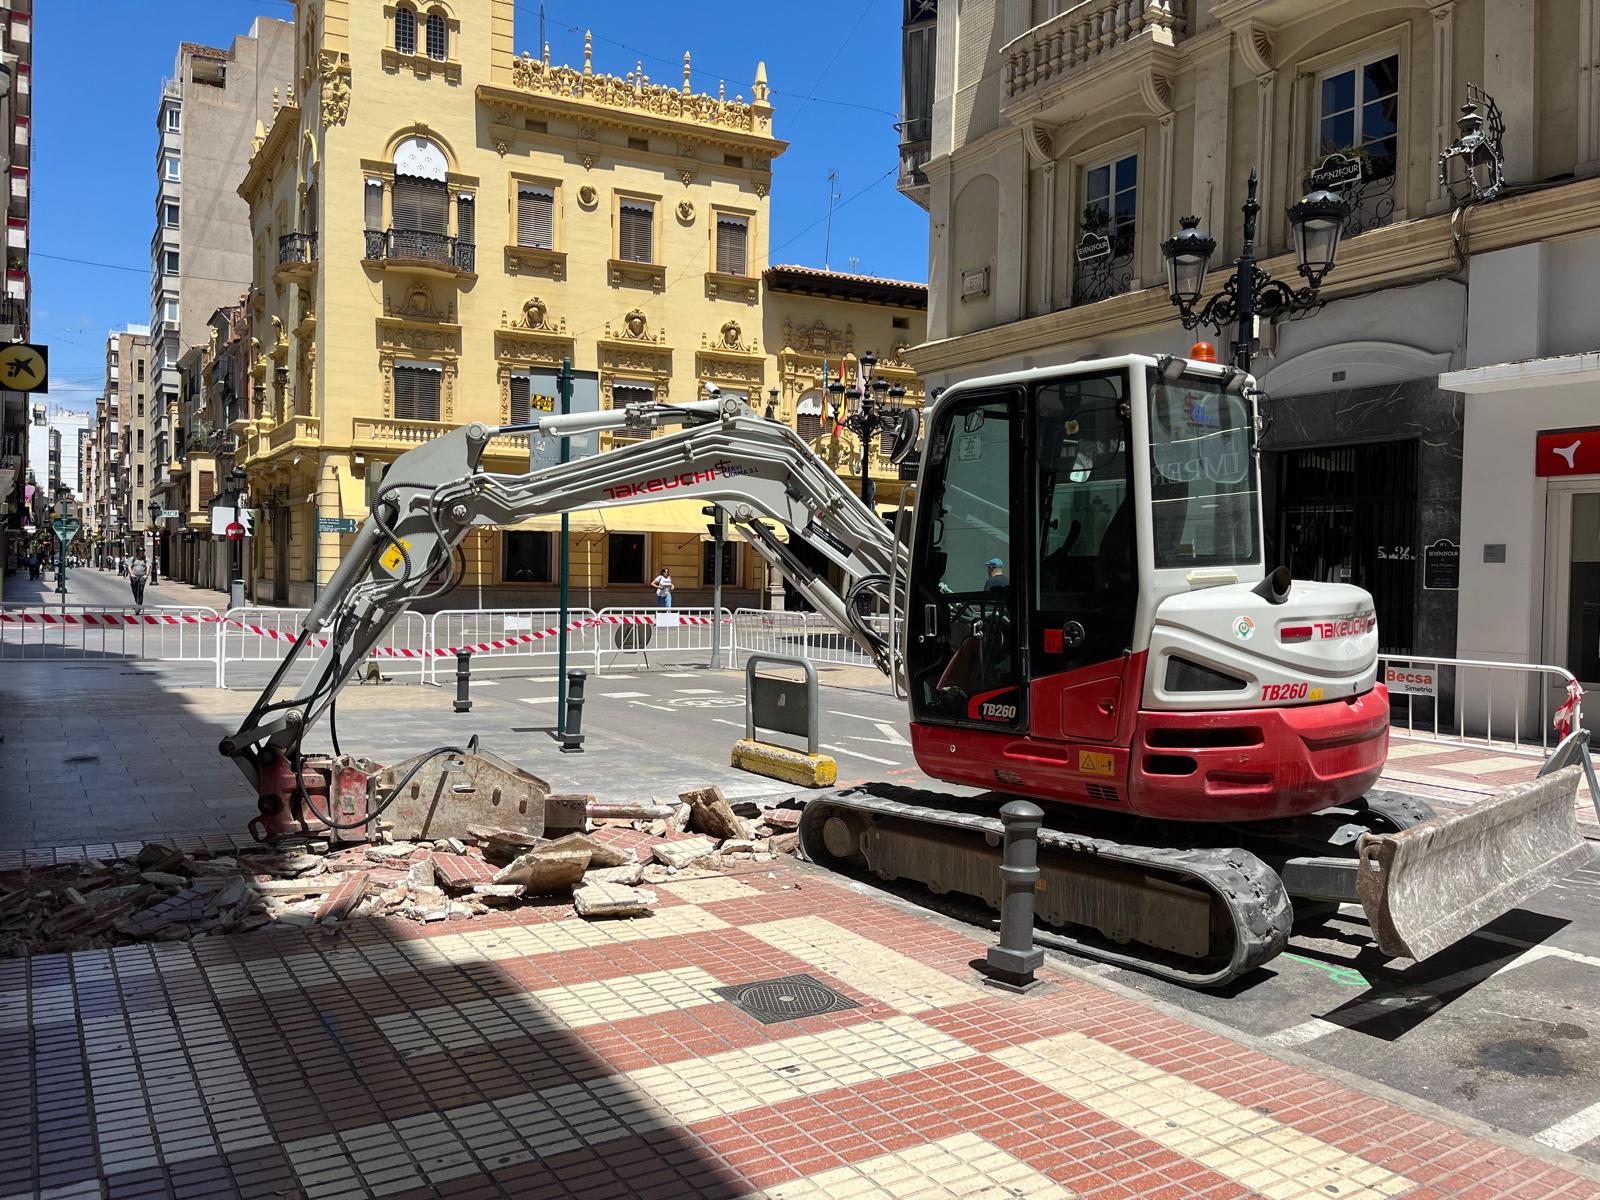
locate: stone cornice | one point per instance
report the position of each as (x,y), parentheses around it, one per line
(1389,257)
(285,127)
(510,99)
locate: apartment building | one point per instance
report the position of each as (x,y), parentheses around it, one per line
(438,222)
(16,115)
(1057,145)
(200,249)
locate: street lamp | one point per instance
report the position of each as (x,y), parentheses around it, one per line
(1317,221)
(1479,153)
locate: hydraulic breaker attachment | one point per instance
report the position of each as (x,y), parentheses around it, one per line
(1432,884)
(440,795)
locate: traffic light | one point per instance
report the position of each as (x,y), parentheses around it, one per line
(715,528)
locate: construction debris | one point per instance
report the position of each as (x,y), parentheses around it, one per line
(163,894)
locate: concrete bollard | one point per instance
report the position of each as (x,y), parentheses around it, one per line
(1013,962)
(572,739)
(463,681)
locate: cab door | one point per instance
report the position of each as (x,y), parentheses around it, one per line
(964,637)
(1086,582)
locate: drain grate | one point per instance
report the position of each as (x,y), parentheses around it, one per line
(785,999)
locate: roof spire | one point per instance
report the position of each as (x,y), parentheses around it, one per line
(685,72)
(588,52)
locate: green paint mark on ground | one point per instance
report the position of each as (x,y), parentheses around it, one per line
(1343,976)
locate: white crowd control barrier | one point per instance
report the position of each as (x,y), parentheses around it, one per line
(660,637)
(88,633)
(265,635)
(510,639)
(803,634)
(1475,701)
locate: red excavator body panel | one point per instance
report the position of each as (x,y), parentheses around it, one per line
(1253,764)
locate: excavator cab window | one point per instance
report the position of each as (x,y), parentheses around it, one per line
(964,655)
(1203,487)
(1086,585)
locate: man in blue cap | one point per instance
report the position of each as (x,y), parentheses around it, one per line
(997,576)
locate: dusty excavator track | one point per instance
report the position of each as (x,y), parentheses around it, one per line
(1199,917)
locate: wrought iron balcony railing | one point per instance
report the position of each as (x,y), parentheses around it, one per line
(417,245)
(297,248)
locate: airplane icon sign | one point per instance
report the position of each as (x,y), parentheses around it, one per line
(25,367)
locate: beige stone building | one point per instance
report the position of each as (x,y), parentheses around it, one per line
(1057,144)
(437,223)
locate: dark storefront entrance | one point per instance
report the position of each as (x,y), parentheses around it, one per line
(1348,514)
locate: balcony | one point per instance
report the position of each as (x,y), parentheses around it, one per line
(393,433)
(13,319)
(916,147)
(416,249)
(297,258)
(298,430)
(1046,70)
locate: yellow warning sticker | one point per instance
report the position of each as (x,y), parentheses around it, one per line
(1094,762)
(1314,694)
(392,558)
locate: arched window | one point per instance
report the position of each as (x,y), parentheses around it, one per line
(808,416)
(405,30)
(437,42)
(420,202)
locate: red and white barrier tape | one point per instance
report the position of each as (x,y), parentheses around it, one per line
(97,620)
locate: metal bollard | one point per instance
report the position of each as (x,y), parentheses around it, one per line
(572,737)
(463,680)
(1013,962)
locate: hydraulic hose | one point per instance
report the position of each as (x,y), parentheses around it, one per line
(394,792)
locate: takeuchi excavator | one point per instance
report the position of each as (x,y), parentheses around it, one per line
(1080,613)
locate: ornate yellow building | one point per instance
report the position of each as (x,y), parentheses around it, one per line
(438,222)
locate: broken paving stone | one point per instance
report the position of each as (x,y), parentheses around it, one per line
(303,864)
(339,903)
(600,854)
(289,889)
(782,818)
(497,891)
(163,878)
(593,898)
(627,874)
(543,870)
(422,872)
(680,852)
(460,870)
(783,843)
(736,846)
(391,850)
(712,816)
(155,857)
(682,814)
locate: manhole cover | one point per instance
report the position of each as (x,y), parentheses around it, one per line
(789,998)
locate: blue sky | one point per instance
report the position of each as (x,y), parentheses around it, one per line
(94,134)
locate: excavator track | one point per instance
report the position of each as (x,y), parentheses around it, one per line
(1200,917)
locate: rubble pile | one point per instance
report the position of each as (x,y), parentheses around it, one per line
(164,894)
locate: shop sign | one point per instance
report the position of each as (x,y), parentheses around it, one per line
(1441,566)
(1568,452)
(1412,681)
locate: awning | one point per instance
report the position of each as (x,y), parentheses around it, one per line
(681,517)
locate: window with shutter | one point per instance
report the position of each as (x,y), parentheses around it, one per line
(437,43)
(421,205)
(732,234)
(521,408)
(416,392)
(808,416)
(374,204)
(636,230)
(466,219)
(208,488)
(536,210)
(405,31)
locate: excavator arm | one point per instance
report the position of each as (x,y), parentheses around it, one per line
(757,470)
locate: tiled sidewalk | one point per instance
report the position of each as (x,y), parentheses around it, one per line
(537,1055)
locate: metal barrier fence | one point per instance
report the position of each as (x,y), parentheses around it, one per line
(1480,702)
(266,634)
(87,632)
(660,637)
(504,639)
(806,634)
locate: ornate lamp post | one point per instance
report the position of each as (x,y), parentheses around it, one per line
(1478,152)
(1317,221)
(874,409)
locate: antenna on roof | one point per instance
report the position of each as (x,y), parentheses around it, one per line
(833,196)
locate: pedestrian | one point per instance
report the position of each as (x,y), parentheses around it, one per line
(663,584)
(122,566)
(137,575)
(33,564)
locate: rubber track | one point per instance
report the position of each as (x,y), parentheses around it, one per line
(1252,892)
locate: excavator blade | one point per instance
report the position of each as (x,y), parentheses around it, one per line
(1432,884)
